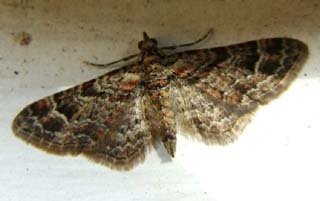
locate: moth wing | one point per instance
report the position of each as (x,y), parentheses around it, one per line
(218,89)
(102,119)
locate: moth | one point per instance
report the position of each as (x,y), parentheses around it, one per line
(207,94)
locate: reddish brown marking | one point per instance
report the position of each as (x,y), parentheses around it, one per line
(42,105)
(162,93)
(244,87)
(160,83)
(45,119)
(110,120)
(203,74)
(215,93)
(52,123)
(112,98)
(234,98)
(100,134)
(184,71)
(115,117)
(87,85)
(274,58)
(128,85)
(225,79)
(154,95)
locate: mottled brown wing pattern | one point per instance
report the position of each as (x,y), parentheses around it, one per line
(102,119)
(210,93)
(219,89)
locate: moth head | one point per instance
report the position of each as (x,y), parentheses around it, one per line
(147,43)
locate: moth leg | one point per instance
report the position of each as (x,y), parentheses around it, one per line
(173,47)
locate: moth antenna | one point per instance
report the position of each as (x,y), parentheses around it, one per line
(145,36)
(188,44)
(111,63)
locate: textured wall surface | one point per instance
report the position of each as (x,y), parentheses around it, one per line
(276,158)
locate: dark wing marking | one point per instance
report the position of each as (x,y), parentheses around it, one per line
(218,89)
(102,119)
